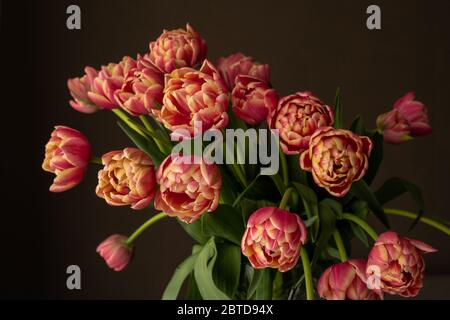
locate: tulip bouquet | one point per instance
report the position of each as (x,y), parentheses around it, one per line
(274,205)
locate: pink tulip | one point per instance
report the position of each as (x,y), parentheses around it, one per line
(238,64)
(67,155)
(188,187)
(128,178)
(346,281)
(336,158)
(398,264)
(110,79)
(297,117)
(142,92)
(116,252)
(177,49)
(253,99)
(191,96)
(79,89)
(408,119)
(273,238)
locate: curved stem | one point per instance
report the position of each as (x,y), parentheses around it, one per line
(143,227)
(284,168)
(340,245)
(96,160)
(363,224)
(245,191)
(307,273)
(436,224)
(285,199)
(124,117)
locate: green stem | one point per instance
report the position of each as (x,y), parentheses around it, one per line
(96,160)
(124,117)
(162,145)
(147,124)
(340,245)
(363,224)
(285,199)
(235,203)
(308,275)
(284,168)
(143,227)
(436,224)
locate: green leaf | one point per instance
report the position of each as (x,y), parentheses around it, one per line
(227,194)
(338,121)
(225,222)
(203,270)
(178,278)
(254,284)
(357,126)
(146,145)
(327,224)
(194,230)
(264,289)
(193,293)
(362,191)
(359,233)
(333,252)
(311,205)
(376,157)
(334,205)
(394,187)
(296,173)
(279,183)
(227,268)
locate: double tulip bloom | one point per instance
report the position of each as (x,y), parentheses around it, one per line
(177,49)
(110,79)
(142,90)
(336,158)
(407,119)
(298,117)
(346,281)
(396,264)
(194,96)
(188,187)
(128,178)
(238,64)
(67,155)
(273,238)
(252,99)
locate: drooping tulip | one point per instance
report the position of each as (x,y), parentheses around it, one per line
(396,264)
(116,252)
(346,281)
(273,238)
(297,117)
(336,158)
(188,187)
(178,48)
(406,120)
(79,89)
(67,155)
(110,79)
(128,178)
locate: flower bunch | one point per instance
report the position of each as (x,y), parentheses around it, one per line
(288,227)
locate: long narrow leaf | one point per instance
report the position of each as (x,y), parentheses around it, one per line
(361,190)
(178,278)
(338,122)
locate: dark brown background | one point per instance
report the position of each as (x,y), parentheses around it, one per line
(314,45)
